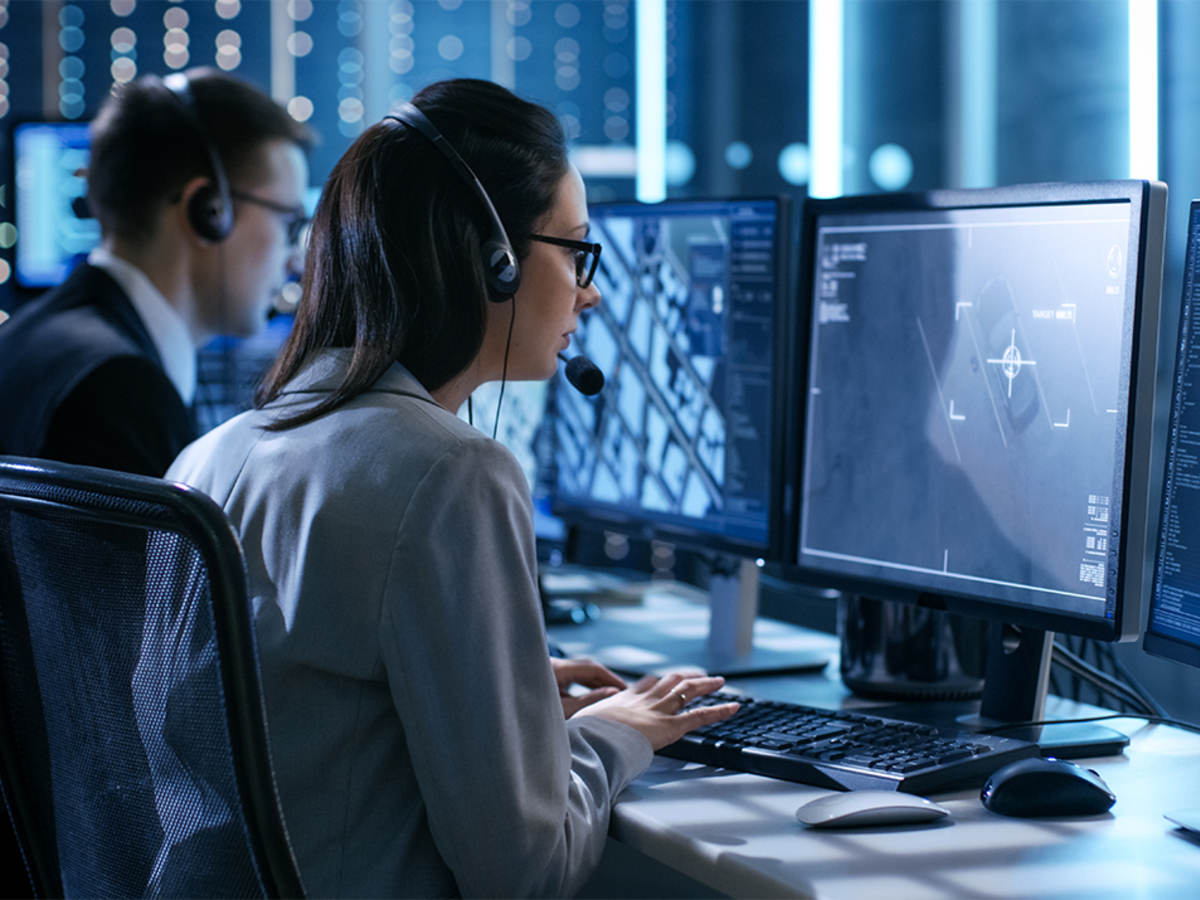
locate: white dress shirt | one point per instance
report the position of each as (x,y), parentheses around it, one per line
(167,328)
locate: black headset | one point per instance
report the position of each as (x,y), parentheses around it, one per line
(501,270)
(210,209)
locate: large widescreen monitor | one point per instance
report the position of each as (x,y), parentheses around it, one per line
(975,403)
(1173,623)
(679,445)
(683,444)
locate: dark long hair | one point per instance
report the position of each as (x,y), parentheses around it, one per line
(393,268)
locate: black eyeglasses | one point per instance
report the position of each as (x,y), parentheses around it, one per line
(295,223)
(587,256)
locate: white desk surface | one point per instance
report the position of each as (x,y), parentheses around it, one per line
(737,833)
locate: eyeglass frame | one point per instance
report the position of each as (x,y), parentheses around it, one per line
(583,247)
(295,225)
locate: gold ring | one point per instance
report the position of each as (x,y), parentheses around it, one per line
(682,699)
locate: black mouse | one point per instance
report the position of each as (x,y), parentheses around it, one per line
(1046,787)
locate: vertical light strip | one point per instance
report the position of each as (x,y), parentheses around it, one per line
(377,74)
(504,67)
(651,76)
(1143,88)
(283,64)
(978,112)
(825,96)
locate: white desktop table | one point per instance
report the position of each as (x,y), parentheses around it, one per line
(736,834)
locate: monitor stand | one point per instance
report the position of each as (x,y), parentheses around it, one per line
(732,614)
(1016,680)
(666,632)
(1014,690)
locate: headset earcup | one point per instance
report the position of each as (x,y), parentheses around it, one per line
(207,214)
(501,269)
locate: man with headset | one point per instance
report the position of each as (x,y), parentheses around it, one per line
(198,183)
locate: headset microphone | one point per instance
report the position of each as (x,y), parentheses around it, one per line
(585,376)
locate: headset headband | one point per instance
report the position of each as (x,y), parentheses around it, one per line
(501,269)
(210,211)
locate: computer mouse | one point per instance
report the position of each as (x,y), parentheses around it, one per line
(1045,786)
(854,809)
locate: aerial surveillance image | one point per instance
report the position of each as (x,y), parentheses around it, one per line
(684,337)
(973,362)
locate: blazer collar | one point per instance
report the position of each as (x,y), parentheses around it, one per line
(166,327)
(325,370)
(103,291)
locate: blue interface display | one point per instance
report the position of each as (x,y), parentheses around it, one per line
(1175,600)
(680,438)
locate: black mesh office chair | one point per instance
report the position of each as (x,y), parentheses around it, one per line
(133,745)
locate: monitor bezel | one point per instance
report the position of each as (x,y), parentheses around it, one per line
(575,512)
(1147,201)
(1170,648)
(1155,642)
(26,287)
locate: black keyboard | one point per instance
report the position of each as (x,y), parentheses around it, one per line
(844,749)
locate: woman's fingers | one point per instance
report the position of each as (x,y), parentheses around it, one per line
(655,706)
(644,684)
(573,704)
(666,685)
(587,672)
(689,689)
(707,715)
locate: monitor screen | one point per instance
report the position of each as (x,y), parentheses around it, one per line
(977,399)
(1173,625)
(680,443)
(54,228)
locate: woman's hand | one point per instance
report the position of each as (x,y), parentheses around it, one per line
(653,706)
(588,673)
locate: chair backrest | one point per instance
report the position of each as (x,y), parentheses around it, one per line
(133,746)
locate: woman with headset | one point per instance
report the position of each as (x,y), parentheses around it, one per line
(424,742)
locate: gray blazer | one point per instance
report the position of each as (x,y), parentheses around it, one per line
(417,734)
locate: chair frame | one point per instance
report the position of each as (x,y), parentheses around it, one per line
(44,486)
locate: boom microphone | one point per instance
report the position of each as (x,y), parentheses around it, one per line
(585,376)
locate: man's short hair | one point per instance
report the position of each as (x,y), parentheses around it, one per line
(145,146)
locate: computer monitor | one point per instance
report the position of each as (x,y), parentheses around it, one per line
(1173,622)
(678,445)
(975,410)
(54,227)
(682,444)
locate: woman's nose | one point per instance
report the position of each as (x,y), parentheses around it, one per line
(589,296)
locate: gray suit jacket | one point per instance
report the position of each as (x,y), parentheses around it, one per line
(417,734)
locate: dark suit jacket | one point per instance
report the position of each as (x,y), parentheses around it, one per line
(81,381)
